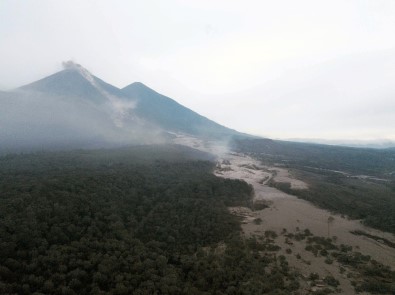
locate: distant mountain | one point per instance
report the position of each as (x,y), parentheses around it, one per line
(375,144)
(170,115)
(68,82)
(73,109)
(74,81)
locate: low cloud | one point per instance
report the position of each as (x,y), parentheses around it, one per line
(36,121)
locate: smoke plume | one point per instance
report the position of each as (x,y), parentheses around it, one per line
(120,106)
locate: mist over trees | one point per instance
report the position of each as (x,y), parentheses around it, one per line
(126,221)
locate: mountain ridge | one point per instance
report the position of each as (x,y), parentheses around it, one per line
(74,102)
(167,112)
(66,82)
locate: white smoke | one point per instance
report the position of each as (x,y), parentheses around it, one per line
(121,107)
(31,120)
(67,65)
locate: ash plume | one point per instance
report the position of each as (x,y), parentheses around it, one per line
(120,106)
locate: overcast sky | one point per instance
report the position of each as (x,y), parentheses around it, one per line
(283,69)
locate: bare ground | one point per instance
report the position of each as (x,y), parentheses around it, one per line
(292,214)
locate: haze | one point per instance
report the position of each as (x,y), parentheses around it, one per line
(283,69)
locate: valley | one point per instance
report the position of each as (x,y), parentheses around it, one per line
(288,216)
(191,217)
(107,190)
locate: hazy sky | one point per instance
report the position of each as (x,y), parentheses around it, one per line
(284,69)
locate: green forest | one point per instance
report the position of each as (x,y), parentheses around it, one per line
(142,220)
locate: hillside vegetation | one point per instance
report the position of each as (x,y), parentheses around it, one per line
(373,162)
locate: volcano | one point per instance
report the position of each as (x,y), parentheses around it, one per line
(75,109)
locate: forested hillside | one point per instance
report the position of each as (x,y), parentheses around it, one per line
(131,221)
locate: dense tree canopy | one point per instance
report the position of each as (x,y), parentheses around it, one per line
(126,221)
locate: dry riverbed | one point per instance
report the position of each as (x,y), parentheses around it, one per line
(287,214)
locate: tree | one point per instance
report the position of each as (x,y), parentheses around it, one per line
(330,222)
